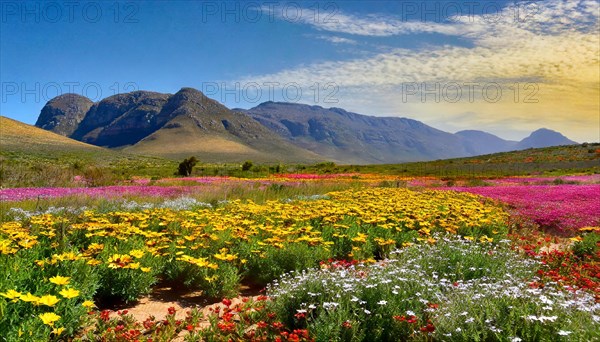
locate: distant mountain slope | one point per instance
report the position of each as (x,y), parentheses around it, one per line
(355,138)
(17,136)
(63,113)
(544,138)
(479,142)
(182,124)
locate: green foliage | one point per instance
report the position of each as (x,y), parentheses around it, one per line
(588,246)
(393,184)
(476,182)
(186,166)
(19,320)
(30,168)
(557,160)
(274,262)
(247,165)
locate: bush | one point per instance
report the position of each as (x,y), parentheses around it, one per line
(588,246)
(471,182)
(247,165)
(186,166)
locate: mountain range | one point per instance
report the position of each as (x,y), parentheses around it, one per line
(189,123)
(170,125)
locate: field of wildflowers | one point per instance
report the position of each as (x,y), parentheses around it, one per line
(557,207)
(348,257)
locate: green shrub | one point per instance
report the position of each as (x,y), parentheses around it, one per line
(589,246)
(186,166)
(247,165)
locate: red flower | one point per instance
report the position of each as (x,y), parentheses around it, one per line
(428,328)
(148,323)
(226,302)
(226,327)
(227,317)
(104,315)
(300,315)
(399,318)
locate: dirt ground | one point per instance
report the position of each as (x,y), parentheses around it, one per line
(162,298)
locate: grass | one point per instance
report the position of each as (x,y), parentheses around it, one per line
(558,160)
(31,156)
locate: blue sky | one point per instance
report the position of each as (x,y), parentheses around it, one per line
(371,57)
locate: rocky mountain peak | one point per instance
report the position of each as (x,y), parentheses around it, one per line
(63,113)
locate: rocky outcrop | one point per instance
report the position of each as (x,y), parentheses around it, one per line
(64,113)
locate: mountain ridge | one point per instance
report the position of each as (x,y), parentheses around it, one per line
(294,122)
(189,123)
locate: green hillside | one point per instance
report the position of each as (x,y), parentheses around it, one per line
(548,160)
(30,156)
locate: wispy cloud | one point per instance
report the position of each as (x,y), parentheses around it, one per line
(549,16)
(557,45)
(337,40)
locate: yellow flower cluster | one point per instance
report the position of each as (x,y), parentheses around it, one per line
(47,300)
(274,224)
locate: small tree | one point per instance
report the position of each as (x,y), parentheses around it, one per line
(247,165)
(186,166)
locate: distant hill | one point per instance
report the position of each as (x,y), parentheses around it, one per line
(479,142)
(544,138)
(17,136)
(32,157)
(355,138)
(180,125)
(555,160)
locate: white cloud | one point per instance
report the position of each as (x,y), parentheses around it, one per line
(555,43)
(337,40)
